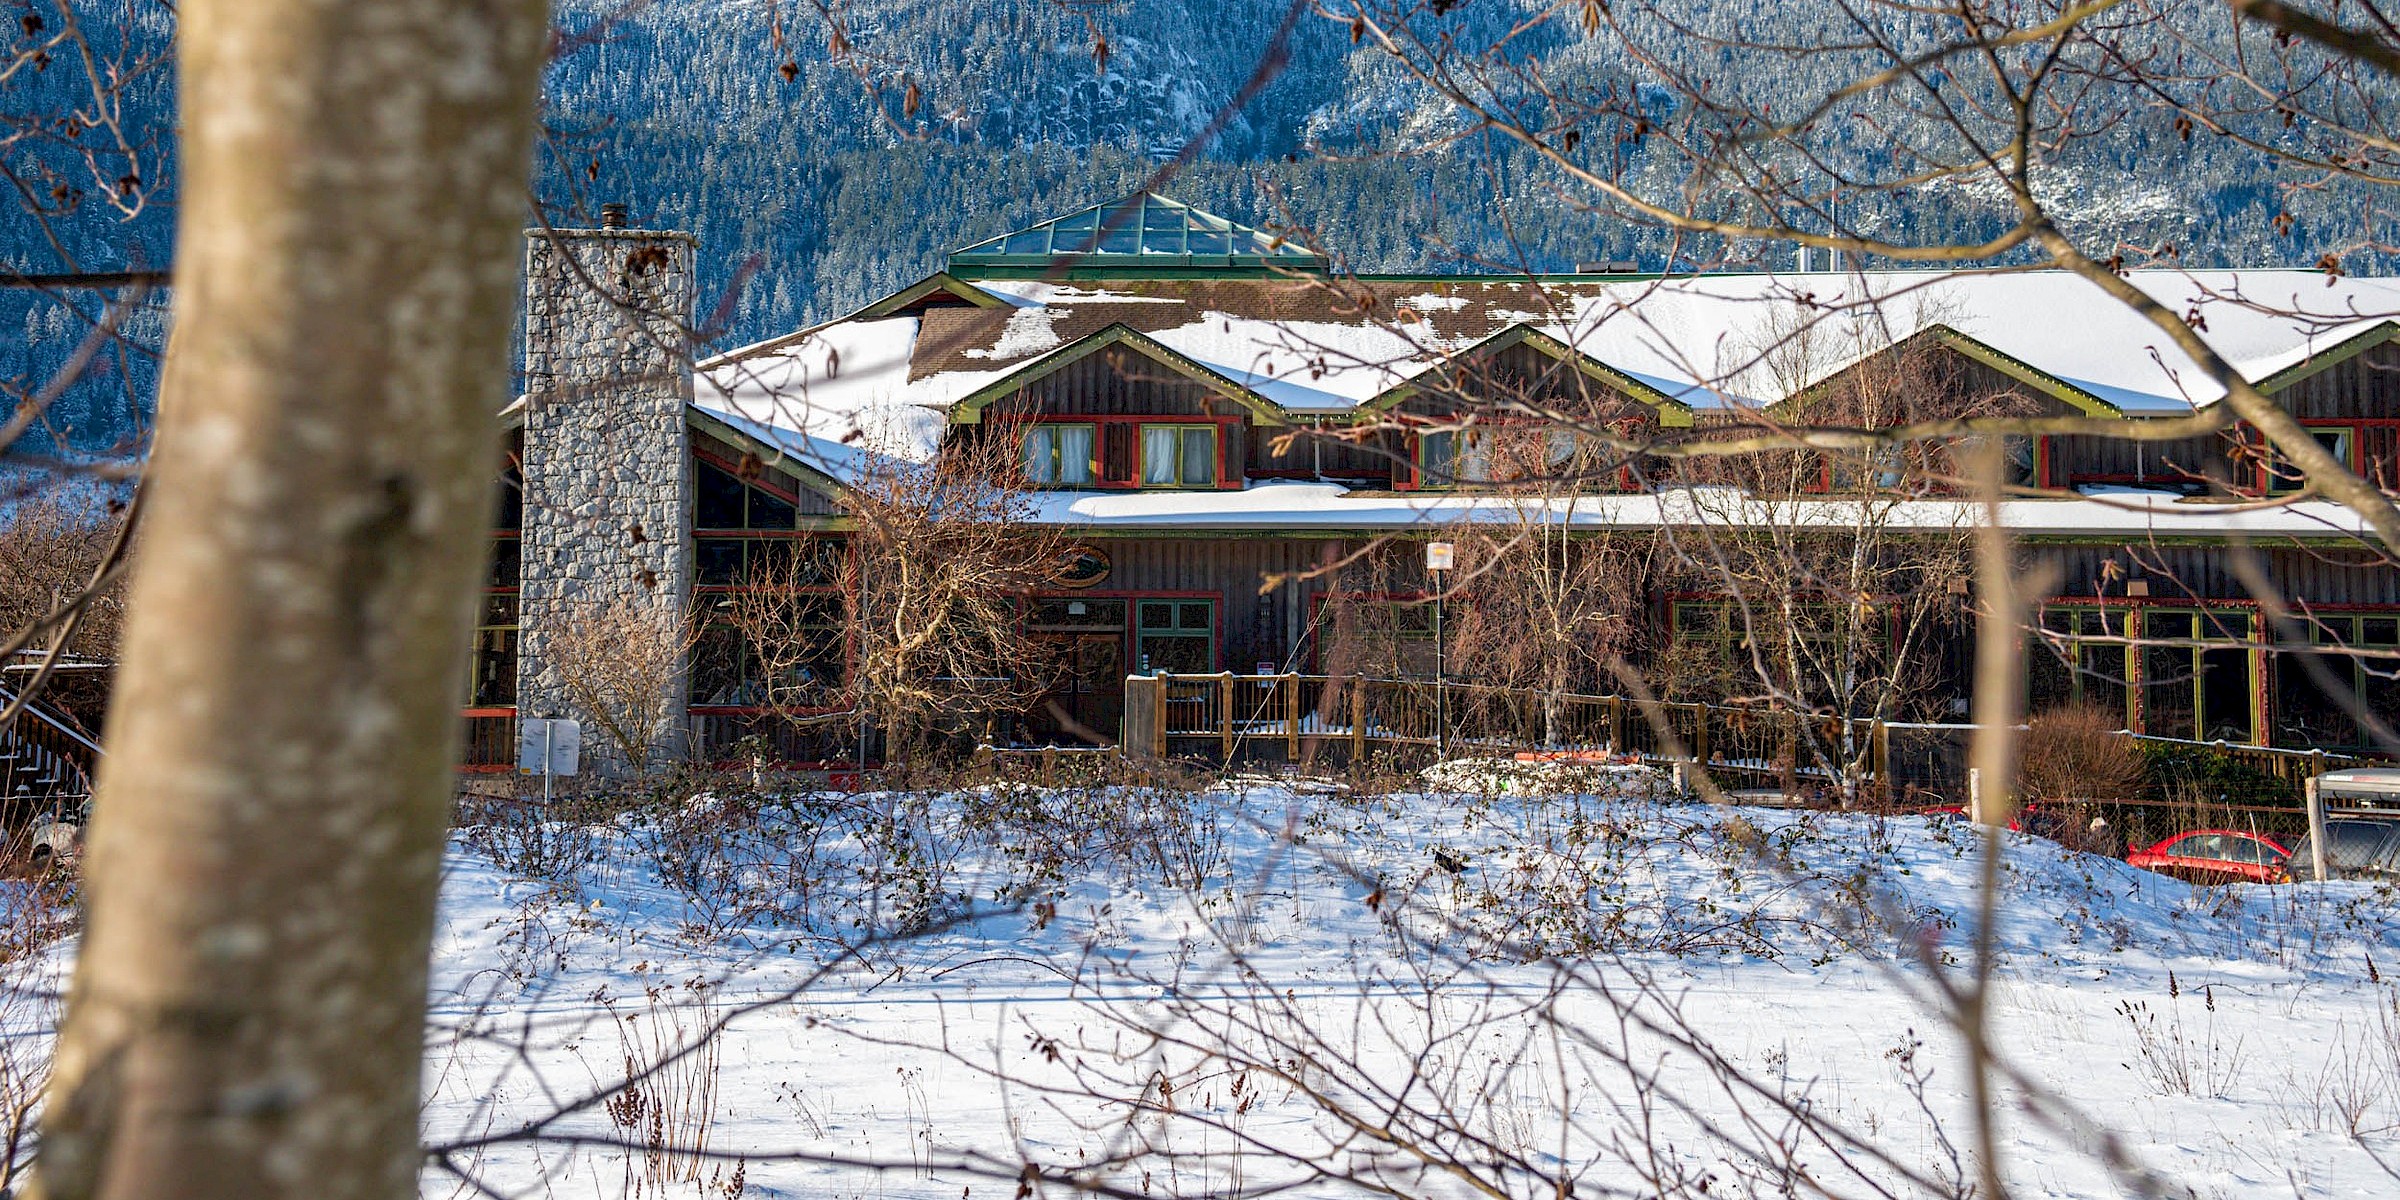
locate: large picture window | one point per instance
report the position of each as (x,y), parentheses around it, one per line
(1179,456)
(725,502)
(2198,685)
(1060,455)
(2083,657)
(2356,660)
(1497,454)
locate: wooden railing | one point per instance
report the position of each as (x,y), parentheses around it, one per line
(1303,716)
(44,755)
(490,744)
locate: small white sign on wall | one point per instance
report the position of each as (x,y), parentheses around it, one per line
(549,746)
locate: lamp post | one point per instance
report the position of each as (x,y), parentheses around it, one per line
(1439,558)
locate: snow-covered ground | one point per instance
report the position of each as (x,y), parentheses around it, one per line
(1273,984)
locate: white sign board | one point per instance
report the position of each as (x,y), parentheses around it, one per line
(549,746)
(1440,556)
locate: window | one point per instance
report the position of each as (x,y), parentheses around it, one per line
(725,502)
(1060,455)
(1175,636)
(729,672)
(1500,453)
(1179,456)
(2081,658)
(494,684)
(2200,692)
(2338,440)
(721,562)
(2311,714)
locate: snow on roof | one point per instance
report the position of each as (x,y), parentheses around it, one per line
(832,398)
(1301,506)
(1317,347)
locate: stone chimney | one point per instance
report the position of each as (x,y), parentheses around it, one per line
(608,476)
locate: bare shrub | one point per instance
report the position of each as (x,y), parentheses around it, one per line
(667,1103)
(2074,752)
(2180,1061)
(620,661)
(932,591)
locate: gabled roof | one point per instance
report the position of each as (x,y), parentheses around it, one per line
(1672,412)
(968,410)
(916,296)
(2333,356)
(2067,393)
(1143,232)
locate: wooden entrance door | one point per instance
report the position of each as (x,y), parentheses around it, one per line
(1091,690)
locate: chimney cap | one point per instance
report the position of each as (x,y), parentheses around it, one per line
(612,216)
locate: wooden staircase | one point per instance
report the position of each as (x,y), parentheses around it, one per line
(44,759)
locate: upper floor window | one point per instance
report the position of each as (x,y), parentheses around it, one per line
(1179,456)
(2339,441)
(1061,455)
(1497,454)
(725,502)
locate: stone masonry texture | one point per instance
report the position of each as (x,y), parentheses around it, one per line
(607,464)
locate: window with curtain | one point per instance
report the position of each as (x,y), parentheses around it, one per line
(1179,456)
(1059,454)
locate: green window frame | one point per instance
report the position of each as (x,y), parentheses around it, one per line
(1182,455)
(1051,455)
(1175,634)
(2199,692)
(724,501)
(2087,660)
(492,668)
(1450,458)
(2306,715)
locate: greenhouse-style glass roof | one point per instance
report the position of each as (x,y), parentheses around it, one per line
(1144,232)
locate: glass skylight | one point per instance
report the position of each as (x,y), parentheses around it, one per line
(1140,227)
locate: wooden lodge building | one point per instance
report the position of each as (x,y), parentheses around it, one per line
(1204,406)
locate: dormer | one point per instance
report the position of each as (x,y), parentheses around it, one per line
(1524,407)
(1119,411)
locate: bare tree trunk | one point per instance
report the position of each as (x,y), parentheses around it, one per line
(247,1011)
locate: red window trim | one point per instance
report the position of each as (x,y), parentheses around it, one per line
(1230,475)
(734,469)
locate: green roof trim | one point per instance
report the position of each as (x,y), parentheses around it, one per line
(2015,368)
(1144,233)
(1672,413)
(968,409)
(774,456)
(939,282)
(2332,356)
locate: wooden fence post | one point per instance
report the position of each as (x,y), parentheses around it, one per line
(1700,714)
(1225,713)
(2316,826)
(1291,715)
(1616,725)
(1358,722)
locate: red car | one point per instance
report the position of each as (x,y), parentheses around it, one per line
(2215,856)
